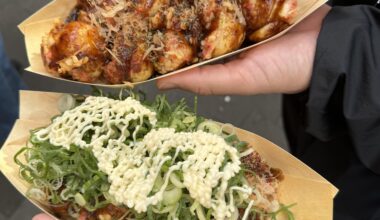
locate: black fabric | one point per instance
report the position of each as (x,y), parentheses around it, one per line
(334,127)
(345,88)
(351,2)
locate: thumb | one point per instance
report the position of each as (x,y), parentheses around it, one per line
(233,77)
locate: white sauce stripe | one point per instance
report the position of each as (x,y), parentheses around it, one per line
(133,168)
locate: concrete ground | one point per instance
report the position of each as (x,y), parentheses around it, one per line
(260,114)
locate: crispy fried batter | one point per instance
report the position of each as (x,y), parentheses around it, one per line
(266,18)
(150,7)
(265,179)
(74,50)
(124,40)
(176,52)
(227,31)
(129,62)
(108,212)
(131,65)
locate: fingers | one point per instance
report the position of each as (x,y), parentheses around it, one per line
(281,66)
(42,217)
(233,77)
(313,21)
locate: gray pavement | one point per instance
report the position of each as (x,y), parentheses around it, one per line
(260,114)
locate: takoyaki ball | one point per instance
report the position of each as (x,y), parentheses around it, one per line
(288,11)
(78,14)
(115,72)
(129,63)
(195,34)
(90,5)
(175,51)
(74,50)
(180,17)
(140,66)
(208,11)
(135,68)
(184,18)
(257,12)
(157,21)
(156,6)
(49,53)
(227,32)
(268,31)
(266,18)
(154,11)
(150,7)
(84,5)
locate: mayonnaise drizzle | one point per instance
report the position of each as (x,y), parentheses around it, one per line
(132,168)
(133,179)
(101,115)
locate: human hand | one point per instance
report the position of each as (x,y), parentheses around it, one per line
(283,65)
(42,217)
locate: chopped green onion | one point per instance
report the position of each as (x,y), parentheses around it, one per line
(80,199)
(158,183)
(150,213)
(189,119)
(59,175)
(171,197)
(241,146)
(200,213)
(166,209)
(210,126)
(231,138)
(176,181)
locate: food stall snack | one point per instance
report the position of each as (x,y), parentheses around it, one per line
(311,194)
(115,41)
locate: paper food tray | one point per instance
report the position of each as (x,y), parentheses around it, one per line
(312,193)
(40,23)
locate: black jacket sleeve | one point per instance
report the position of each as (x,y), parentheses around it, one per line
(345,86)
(351,2)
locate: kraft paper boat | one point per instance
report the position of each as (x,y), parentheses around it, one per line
(312,193)
(40,23)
